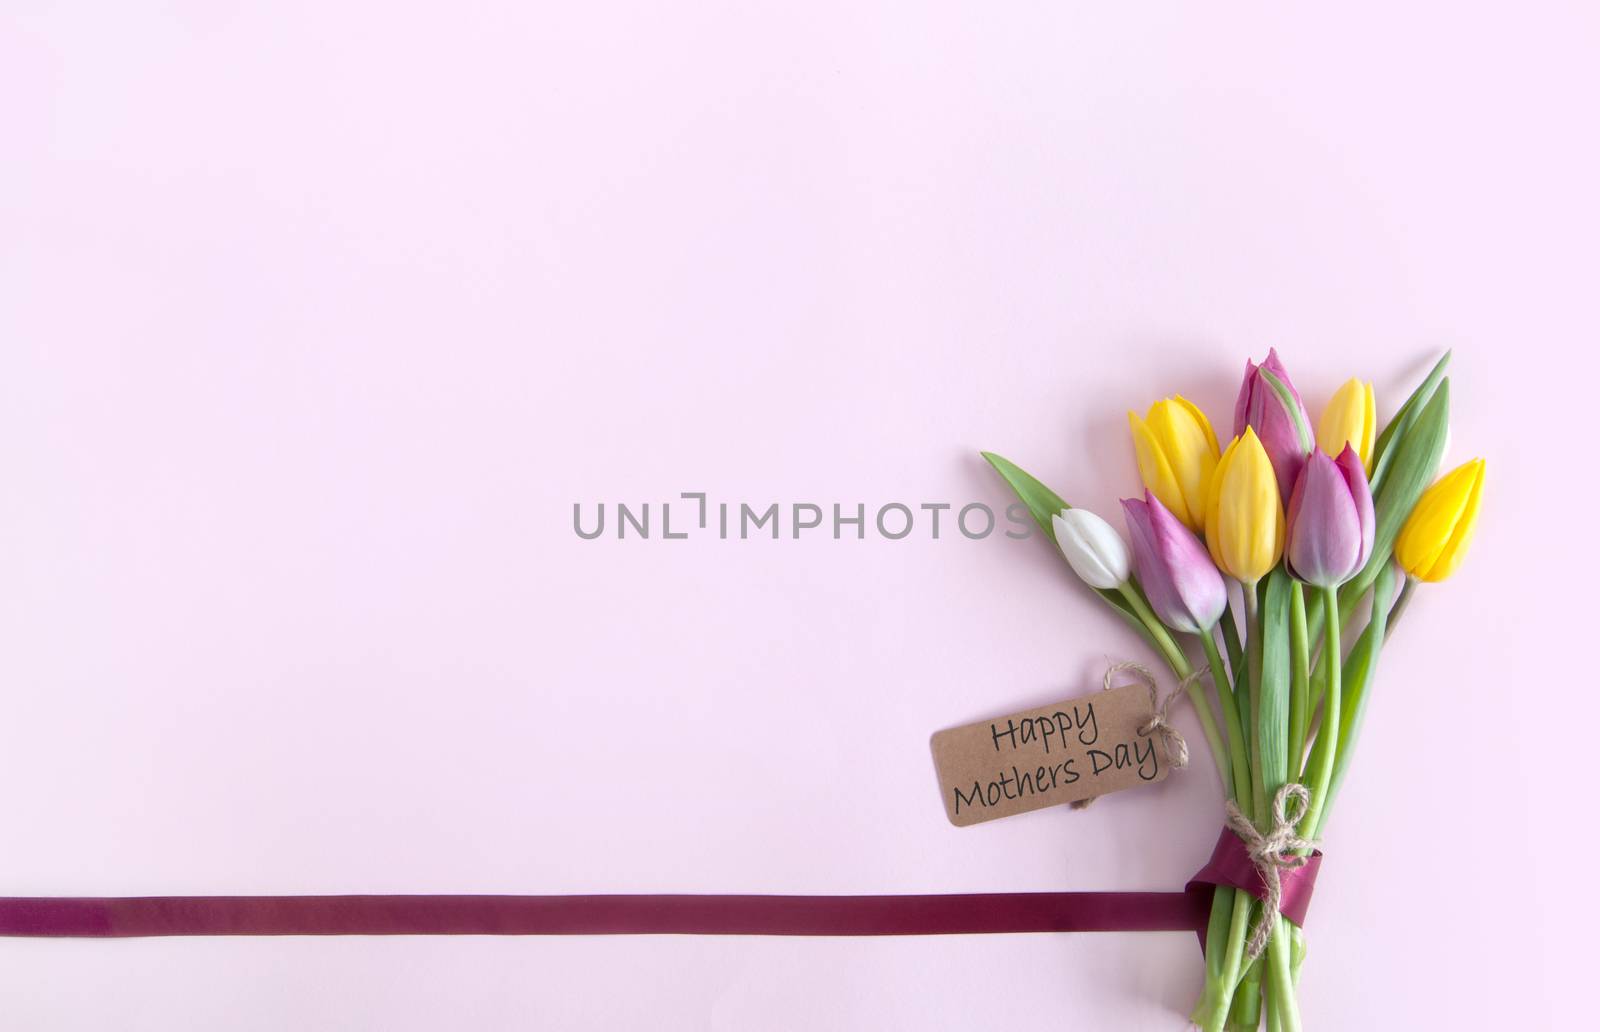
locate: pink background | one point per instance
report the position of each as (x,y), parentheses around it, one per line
(317,319)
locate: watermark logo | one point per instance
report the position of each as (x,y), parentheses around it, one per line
(693,515)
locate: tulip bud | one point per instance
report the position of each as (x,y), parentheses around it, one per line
(1435,536)
(1330,525)
(1350,418)
(1092,547)
(1244,517)
(1177,452)
(1270,405)
(1183,586)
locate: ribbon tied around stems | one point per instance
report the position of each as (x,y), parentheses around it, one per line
(1280,849)
(1160,709)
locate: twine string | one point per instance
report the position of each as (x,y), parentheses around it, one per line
(1160,712)
(1279,850)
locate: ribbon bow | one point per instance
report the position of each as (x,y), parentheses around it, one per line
(1159,722)
(1279,850)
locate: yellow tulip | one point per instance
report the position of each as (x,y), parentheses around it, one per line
(1350,418)
(1177,452)
(1438,531)
(1244,516)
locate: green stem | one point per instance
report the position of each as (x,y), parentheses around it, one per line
(1214,1005)
(1240,993)
(1219,999)
(1281,996)
(1313,661)
(1181,666)
(1355,677)
(1219,980)
(1217,933)
(1258,809)
(1230,638)
(1400,605)
(1158,630)
(1242,685)
(1300,685)
(1230,714)
(1246,1010)
(1357,673)
(1326,750)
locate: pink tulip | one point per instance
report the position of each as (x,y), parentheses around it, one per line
(1176,572)
(1330,523)
(1282,424)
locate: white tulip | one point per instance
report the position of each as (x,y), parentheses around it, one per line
(1094,550)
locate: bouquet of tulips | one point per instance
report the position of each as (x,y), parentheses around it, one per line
(1316,532)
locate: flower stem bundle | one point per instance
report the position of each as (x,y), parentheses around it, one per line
(1297,533)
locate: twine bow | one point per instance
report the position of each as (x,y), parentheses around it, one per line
(1177,749)
(1279,850)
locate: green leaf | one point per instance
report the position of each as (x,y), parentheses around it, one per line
(1381,454)
(1422,448)
(1359,669)
(1416,458)
(1230,638)
(1121,606)
(1272,709)
(1042,502)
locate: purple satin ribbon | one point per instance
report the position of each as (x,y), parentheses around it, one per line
(112,917)
(106,917)
(1230,864)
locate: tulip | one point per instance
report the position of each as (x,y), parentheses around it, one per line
(1244,517)
(1270,405)
(1177,451)
(1330,525)
(1350,418)
(1183,586)
(1436,534)
(1094,550)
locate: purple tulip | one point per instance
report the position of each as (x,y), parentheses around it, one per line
(1174,568)
(1330,521)
(1284,428)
